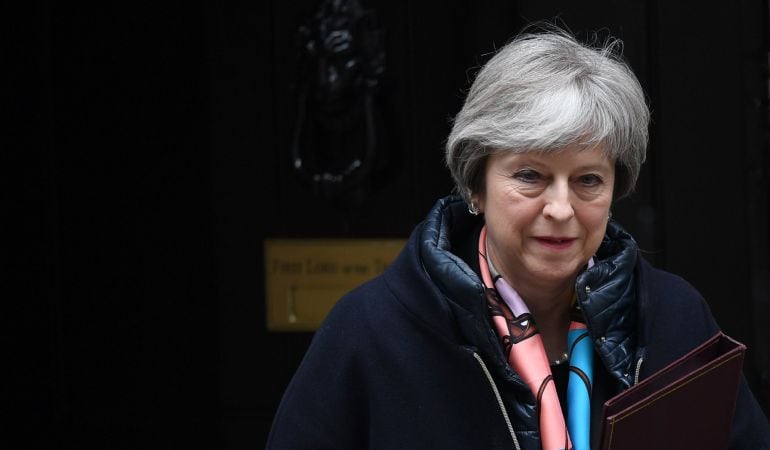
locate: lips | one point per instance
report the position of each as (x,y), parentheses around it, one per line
(555,242)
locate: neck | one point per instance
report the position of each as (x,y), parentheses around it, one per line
(551,311)
(547,304)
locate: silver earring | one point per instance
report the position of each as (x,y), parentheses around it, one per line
(473,209)
(609,215)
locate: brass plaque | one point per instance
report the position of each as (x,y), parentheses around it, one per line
(304,278)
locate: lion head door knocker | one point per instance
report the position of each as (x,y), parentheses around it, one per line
(338,127)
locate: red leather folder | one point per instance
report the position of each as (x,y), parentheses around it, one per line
(688,404)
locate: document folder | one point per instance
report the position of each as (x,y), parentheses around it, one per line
(688,404)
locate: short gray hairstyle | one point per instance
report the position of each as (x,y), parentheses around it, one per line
(544,91)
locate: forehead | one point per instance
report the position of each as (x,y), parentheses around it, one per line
(577,157)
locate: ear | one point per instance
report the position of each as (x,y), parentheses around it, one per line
(478,200)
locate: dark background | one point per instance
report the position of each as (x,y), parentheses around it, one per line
(146,157)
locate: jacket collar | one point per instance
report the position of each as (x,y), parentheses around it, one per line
(460,286)
(607,293)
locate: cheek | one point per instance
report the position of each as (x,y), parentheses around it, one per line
(595,223)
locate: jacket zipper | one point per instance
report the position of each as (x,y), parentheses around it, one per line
(638,369)
(499,399)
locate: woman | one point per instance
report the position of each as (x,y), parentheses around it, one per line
(465,341)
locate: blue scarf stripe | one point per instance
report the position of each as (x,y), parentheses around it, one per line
(579,389)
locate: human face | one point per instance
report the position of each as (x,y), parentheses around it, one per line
(546,213)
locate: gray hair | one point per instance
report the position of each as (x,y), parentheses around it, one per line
(543,92)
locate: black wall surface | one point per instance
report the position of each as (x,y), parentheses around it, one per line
(146,159)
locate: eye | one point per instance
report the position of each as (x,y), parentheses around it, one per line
(527,176)
(590,180)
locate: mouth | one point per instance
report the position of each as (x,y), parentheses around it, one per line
(555,242)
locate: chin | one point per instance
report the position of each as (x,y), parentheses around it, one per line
(558,275)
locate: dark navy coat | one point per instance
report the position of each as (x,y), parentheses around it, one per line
(409,360)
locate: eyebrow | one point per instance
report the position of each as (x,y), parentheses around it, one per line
(590,167)
(529,158)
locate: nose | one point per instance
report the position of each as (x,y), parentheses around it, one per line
(558,205)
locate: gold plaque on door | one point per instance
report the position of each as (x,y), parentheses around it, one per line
(304,278)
